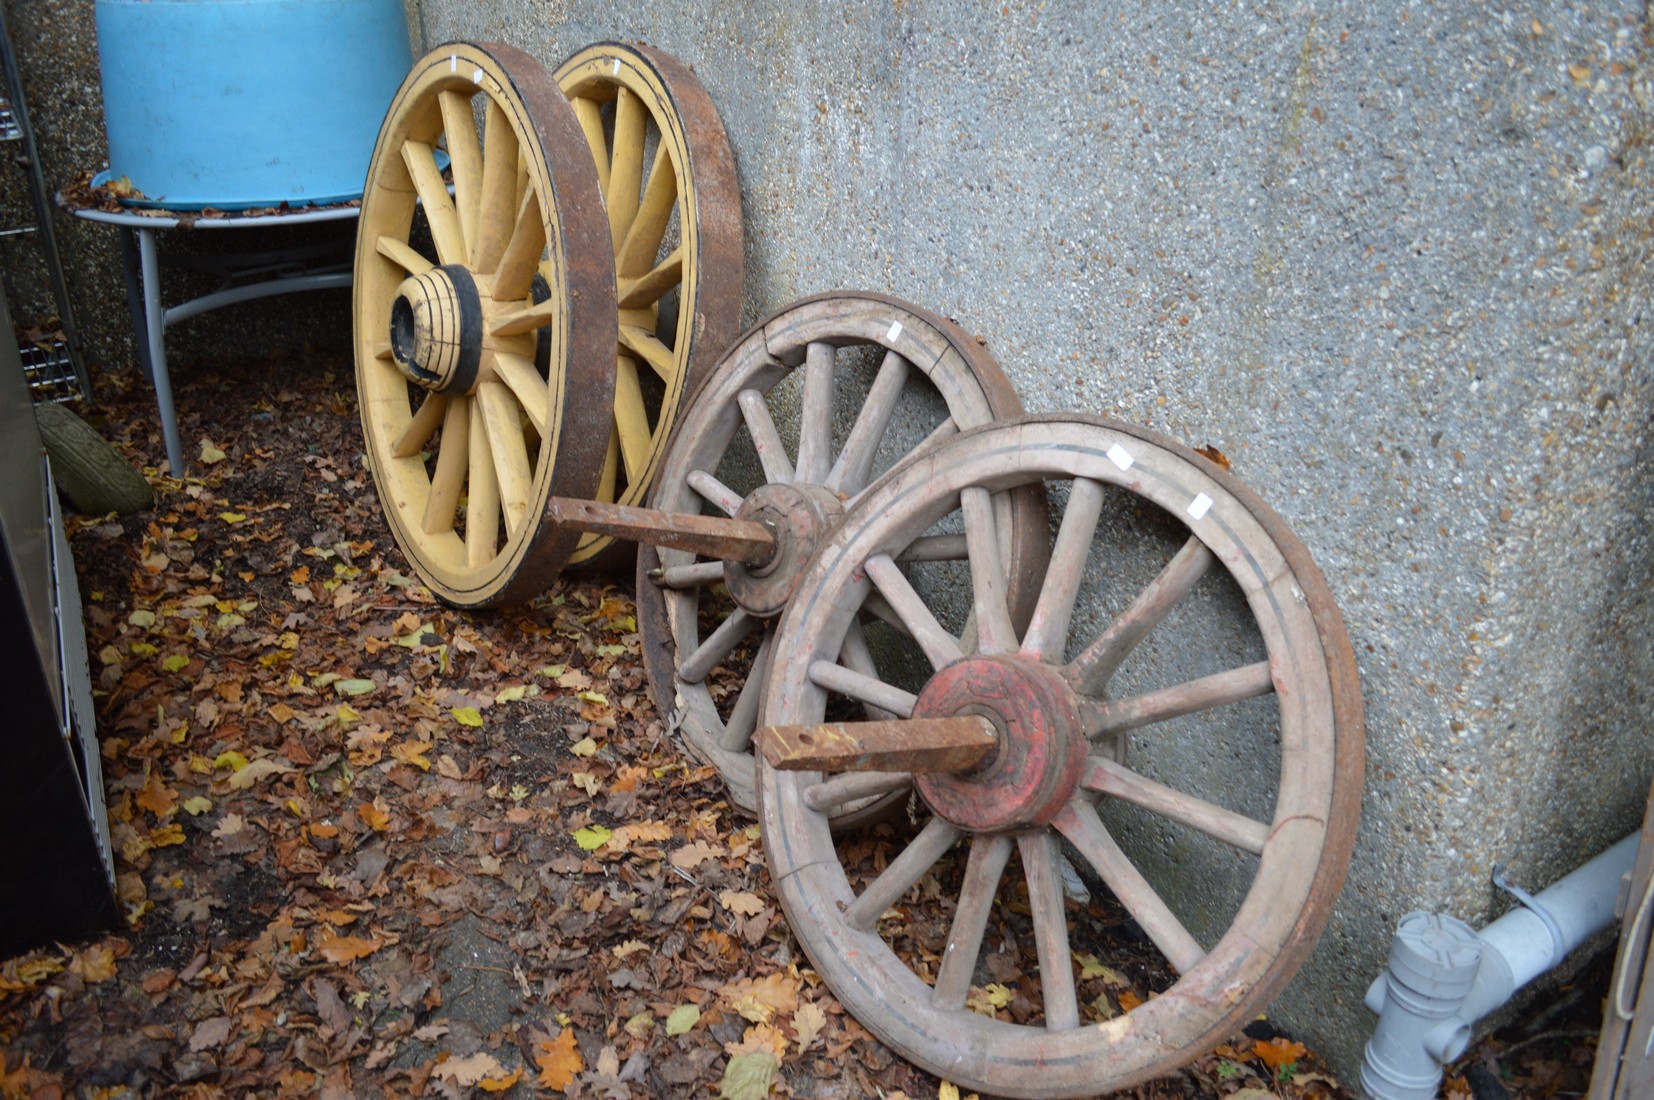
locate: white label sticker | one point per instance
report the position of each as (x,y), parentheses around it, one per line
(453,63)
(476,77)
(895,331)
(1120,457)
(617,66)
(1199,506)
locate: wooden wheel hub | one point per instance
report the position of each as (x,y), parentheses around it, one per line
(1042,744)
(436,329)
(799,517)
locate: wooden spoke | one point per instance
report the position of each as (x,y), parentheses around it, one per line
(1091,670)
(449,480)
(433,196)
(983,870)
(710,654)
(855,656)
(900,876)
(766,440)
(995,634)
(648,348)
(459,128)
(815,418)
(520,258)
(1078,821)
(510,451)
(864,688)
(831,796)
(413,438)
(520,321)
(1104,717)
(940,647)
(482,499)
(934,548)
(402,254)
(727,500)
(698,575)
(1118,781)
(850,472)
(590,114)
(876,606)
(626,163)
(611,467)
(743,717)
(519,373)
(642,241)
(1040,858)
(647,289)
(631,419)
(496,220)
(1048,629)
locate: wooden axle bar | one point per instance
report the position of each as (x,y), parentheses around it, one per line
(715,536)
(900,745)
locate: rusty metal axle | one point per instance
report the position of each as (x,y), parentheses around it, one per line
(715,536)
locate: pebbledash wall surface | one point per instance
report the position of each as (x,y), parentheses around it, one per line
(1391,259)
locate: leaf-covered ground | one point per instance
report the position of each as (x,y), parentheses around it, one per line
(369,845)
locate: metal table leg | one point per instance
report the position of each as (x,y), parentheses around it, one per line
(134,301)
(155,329)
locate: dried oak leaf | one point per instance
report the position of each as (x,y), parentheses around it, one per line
(342,949)
(1277,1052)
(559,1060)
(471,1069)
(741,903)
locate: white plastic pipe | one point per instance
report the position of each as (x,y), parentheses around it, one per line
(1442,977)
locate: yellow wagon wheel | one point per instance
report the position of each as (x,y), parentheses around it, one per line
(484,315)
(674,222)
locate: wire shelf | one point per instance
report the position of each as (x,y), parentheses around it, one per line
(50,371)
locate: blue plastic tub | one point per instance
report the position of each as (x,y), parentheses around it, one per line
(247,103)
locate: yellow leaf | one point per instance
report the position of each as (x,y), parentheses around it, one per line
(232,760)
(500,1084)
(231,517)
(559,1060)
(584,747)
(175,662)
(760,1039)
(210,454)
(467,716)
(413,752)
(594,697)
(510,694)
(748,1077)
(592,837)
(95,964)
(685,1017)
(167,835)
(197,806)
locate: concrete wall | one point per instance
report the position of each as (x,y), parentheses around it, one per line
(1392,259)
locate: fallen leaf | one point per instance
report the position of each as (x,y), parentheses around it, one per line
(354,687)
(741,903)
(244,778)
(176,662)
(374,816)
(95,964)
(592,837)
(467,716)
(231,517)
(210,453)
(1253,1094)
(197,806)
(211,1033)
(748,1077)
(229,825)
(808,1022)
(559,1060)
(342,949)
(685,1017)
(692,855)
(584,747)
(501,1084)
(471,1069)
(1277,1053)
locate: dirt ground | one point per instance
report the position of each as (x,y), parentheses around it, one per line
(372,846)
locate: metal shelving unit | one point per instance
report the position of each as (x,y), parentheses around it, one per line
(55,368)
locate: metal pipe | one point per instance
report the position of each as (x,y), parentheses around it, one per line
(1443,976)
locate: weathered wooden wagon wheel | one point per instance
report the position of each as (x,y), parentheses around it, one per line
(674,218)
(484,321)
(1014,745)
(915,369)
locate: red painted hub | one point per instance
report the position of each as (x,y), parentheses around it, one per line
(1042,746)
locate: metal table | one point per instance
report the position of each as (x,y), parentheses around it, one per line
(243,277)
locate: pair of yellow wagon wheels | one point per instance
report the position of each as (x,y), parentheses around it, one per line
(530,329)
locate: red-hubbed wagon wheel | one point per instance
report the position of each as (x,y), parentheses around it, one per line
(1206,724)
